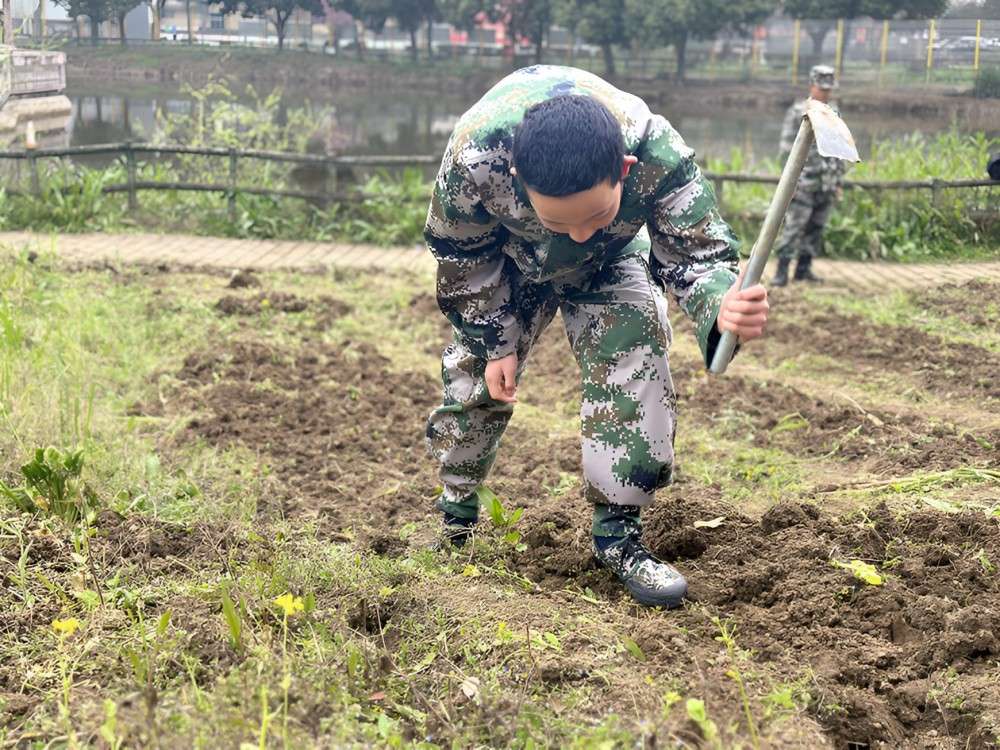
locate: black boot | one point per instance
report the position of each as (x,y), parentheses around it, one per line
(650,581)
(781,277)
(803,270)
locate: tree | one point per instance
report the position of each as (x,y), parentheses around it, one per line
(96,11)
(822,13)
(675,22)
(277,12)
(411,15)
(600,22)
(461,14)
(158,7)
(528,19)
(118,9)
(979,9)
(8,23)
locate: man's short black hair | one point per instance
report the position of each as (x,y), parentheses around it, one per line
(568,144)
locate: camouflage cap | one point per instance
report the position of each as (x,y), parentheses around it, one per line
(823,76)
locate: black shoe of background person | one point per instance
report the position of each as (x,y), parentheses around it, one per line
(781,275)
(803,270)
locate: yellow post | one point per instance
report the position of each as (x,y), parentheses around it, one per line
(975,55)
(930,51)
(795,52)
(840,47)
(885,50)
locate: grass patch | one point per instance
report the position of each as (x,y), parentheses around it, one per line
(905,309)
(193,608)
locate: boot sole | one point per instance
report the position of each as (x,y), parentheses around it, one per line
(648,600)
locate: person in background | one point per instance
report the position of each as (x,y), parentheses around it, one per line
(819,188)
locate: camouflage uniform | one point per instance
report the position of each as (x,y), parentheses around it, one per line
(502,277)
(814,196)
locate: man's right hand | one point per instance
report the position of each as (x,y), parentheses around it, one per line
(500,375)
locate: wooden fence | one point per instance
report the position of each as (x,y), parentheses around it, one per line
(130,153)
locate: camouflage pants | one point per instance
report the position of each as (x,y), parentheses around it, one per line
(804,222)
(616,320)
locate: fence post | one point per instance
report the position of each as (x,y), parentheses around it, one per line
(840,48)
(30,144)
(795,52)
(885,51)
(133,201)
(719,184)
(979,36)
(36,187)
(232,185)
(935,192)
(930,51)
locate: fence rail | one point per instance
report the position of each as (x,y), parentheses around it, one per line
(130,151)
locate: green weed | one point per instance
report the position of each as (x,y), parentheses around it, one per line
(53,487)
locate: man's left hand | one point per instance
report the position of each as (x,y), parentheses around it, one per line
(744,312)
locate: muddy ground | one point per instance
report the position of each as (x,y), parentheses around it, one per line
(911,663)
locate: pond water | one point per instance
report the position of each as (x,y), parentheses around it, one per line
(388,122)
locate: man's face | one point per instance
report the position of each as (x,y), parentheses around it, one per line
(820,95)
(581,215)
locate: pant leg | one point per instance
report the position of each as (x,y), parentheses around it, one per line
(812,236)
(620,333)
(464,432)
(797,219)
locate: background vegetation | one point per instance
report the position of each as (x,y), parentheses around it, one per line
(389,207)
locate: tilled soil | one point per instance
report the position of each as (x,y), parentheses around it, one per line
(945,369)
(908,663)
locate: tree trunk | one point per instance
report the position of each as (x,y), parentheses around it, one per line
(359,38)
(818,35)
(121,28)
(680,48)
(609,59)
(157,15)
(539,43)
(279,26)
(430,39)
(8,23)
(413,44)
(95,32)
(187,10)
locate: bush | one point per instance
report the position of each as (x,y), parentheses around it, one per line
(988,83)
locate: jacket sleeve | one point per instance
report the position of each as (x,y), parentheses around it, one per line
(789,129)
(695,254)
(474,285)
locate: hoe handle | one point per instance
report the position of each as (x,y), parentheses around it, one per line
(768,231)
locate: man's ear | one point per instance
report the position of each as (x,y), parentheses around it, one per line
(627,164)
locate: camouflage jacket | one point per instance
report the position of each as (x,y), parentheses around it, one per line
(483,231)
(820,174)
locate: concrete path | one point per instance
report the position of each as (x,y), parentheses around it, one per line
(271,255)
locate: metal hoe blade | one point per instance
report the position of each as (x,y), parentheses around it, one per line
(832,136)
(833,139)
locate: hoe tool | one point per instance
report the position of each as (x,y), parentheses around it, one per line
(833,139)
